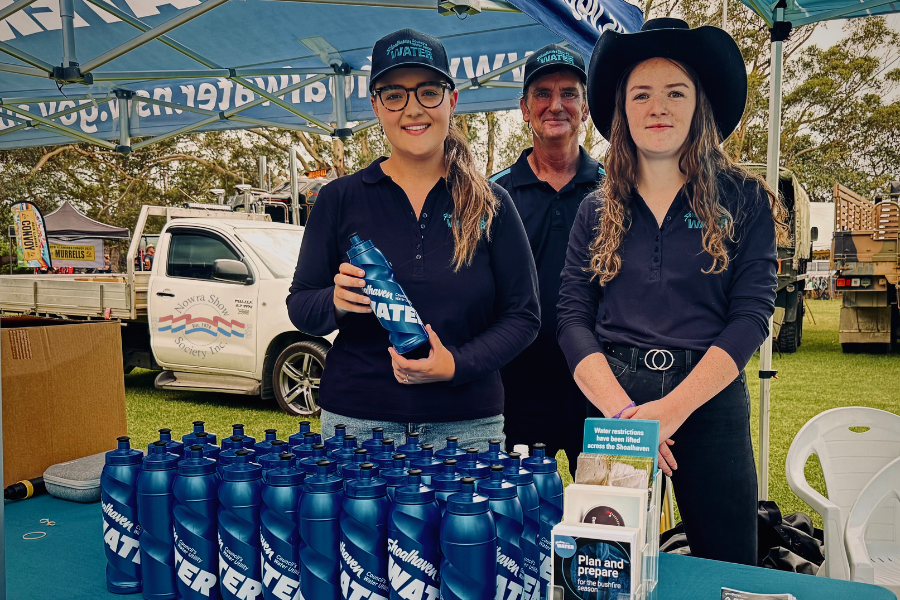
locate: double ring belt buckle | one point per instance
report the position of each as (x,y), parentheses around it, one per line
(652,357)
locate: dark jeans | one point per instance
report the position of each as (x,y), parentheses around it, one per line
(543,403)
(715,482)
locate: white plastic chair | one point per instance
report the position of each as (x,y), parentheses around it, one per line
(849,461)
(872,536)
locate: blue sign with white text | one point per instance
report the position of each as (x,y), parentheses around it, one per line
(622,437)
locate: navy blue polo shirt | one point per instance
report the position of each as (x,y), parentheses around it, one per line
(661,298)
(548,216)
(485,313)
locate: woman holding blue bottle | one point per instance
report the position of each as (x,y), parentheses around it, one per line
(457,247)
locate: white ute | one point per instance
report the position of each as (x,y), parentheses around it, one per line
(211,312)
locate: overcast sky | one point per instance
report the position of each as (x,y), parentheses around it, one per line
(829,32)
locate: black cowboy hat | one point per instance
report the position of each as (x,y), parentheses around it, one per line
(710,51)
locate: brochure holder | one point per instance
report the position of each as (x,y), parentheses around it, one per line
(645,562)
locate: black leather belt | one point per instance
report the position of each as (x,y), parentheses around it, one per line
(655,359)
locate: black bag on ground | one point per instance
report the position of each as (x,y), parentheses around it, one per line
(790,543)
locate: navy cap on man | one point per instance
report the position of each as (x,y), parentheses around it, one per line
(553,57)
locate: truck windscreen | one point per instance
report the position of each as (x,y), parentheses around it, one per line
(277,248)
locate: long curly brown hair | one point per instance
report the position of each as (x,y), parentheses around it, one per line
(706,168)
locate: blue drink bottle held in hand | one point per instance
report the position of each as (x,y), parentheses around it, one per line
(550,491)
(364,539)
(121,529)
(279,530)
(195,516)
(155,499)
(414,541)
(531,508)
(320,534)
(240,496)
(508,518)
(389,301)
(468,546)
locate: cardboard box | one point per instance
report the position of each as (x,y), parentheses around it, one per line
(63,392)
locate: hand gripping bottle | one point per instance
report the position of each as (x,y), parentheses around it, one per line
(471,466)
(373,444)
(350,471)
(230,446)
(395,476)
(446,483)
(264,446)
(270,461)
(414,541)
(240,496)
(508,517)
(468,546)
(189,439)
(344,454)
(121,531)
(195,515)
(427,463)
(411,448)
(305,448)
(154,496)
(209,450)
(384,456)
(451,450)
(238,429)
(308,463)
(389,301)
(336,441)
(320,534)
(550,491)
(364,528)
(279,531)
(528,498)
(494,455)
(172,446)
(297,438)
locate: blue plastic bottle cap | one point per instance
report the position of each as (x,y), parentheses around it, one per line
(124,454)
(285,473)
(159,458)
(234,442)
(367,484)
(467,501)
(414,492)
(497,487)
(242,469)
(538,462)
(325,480)
(514,472)
(195,464)
(165,434)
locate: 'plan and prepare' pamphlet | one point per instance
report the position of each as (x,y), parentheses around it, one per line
(592,562)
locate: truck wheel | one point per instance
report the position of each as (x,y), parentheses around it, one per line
(787,338)
(296,378)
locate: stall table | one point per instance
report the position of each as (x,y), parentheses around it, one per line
(70,563)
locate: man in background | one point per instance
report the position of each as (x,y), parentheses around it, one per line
(547,184)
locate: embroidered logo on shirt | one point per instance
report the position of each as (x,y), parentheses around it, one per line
(692,221)
(449,216)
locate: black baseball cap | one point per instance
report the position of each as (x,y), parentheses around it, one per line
(553,58)
(409,48)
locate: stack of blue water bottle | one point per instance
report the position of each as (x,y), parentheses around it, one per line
(314,519)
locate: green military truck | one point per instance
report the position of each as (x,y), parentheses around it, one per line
(866,257)
(787,321)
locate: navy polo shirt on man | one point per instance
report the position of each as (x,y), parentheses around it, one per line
(661,298)
(548,216)
(485,313)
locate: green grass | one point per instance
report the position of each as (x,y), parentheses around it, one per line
(818,377)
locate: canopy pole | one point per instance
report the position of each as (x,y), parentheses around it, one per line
(295,186)
(780,31)
(67,17)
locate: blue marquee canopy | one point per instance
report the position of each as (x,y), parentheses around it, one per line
(105,71)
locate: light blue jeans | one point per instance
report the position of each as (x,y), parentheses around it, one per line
(472,434)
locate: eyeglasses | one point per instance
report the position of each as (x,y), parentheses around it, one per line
(429,94)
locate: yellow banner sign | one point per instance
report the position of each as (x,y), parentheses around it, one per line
(31,235)
(77,253)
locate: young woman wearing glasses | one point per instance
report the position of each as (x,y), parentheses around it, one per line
(458,249)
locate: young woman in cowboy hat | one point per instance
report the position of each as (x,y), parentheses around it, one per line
(671,270)
(457,246)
